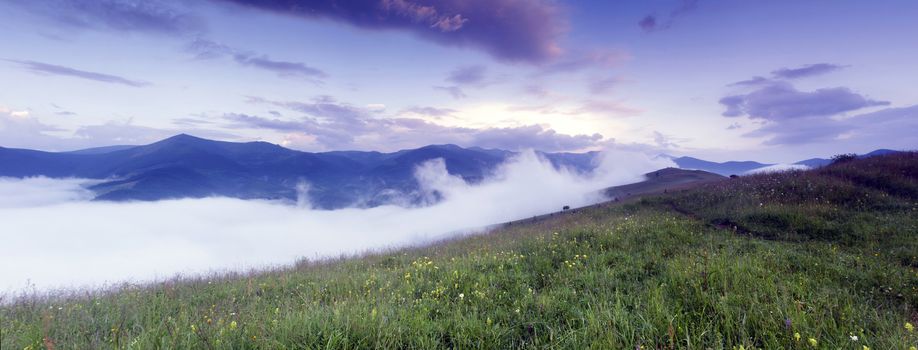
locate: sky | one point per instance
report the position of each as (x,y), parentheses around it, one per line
(773,81)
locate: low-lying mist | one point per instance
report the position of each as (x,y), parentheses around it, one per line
(53,236)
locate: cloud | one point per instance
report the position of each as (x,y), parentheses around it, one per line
(777,168)
(150,16)
(331,125)
(206,49)
(468,75)
(575,62)
(755,81)
(886,128)
(806,70)
(510,30)
(20,129)
(429,111)
(282,68)
(781,101)
(650,23)
(792,117)
(50,69)
(532,136)
(198,236)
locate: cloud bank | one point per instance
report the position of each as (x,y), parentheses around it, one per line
(53,238)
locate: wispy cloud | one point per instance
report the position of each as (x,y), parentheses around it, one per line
(806,70)
(152,16)
(282,68)
(207,49)
(652,22)
(51,69)
(329,124)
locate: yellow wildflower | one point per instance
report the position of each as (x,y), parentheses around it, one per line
(909,327)
(233,325)
(813,342)
(797,336)
(865,347)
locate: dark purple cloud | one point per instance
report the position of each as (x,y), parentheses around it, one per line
(781,101)
(650,23)
(50,69)
(806,71)
(119,15)
(511,30)
(468,75)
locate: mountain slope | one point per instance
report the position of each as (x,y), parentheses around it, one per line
(769,261)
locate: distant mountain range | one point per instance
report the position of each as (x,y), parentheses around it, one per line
(185,166)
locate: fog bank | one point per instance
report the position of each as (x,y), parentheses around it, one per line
(53,236)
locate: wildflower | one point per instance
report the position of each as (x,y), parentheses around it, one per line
(193,328)
(909,327)
(813,342)
(233,325)
(787,323)
(797,336)
(912,348)
(489,321)
(853,338)
(865,347)
(461,296)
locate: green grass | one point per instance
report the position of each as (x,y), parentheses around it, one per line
(749,262)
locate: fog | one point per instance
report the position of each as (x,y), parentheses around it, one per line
(777,168)
(53,236)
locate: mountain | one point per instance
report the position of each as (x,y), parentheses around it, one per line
(743,167)
(185,166)
(725,168)
(662,180)
(821,162)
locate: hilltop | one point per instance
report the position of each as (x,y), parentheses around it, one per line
(824,258)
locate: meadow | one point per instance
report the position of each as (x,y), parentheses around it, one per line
(819,259)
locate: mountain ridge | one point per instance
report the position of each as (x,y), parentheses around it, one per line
(186,166)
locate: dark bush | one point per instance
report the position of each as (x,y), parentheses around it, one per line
(843,158)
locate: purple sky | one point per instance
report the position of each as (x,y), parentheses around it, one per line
(766,80)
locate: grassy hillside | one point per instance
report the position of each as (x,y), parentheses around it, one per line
(799,260)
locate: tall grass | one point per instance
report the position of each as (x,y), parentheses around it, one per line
(768,261)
